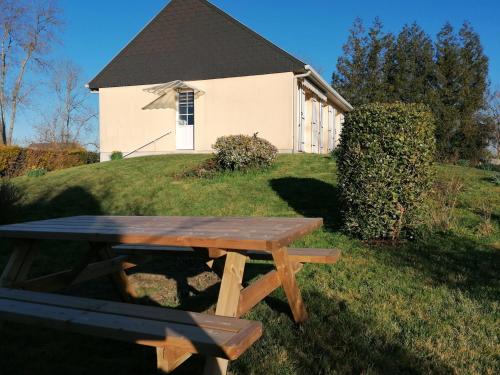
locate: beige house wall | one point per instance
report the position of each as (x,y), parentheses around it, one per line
(241,105)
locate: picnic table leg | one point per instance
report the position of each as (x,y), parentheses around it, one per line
(19,263)
(227,303)
(287,277)
(120,279)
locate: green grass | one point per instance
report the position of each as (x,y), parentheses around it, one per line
(428,306)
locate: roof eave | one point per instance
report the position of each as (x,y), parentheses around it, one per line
(331,92)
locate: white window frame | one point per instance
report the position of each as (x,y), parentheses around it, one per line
(187,114)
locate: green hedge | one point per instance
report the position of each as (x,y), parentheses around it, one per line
(385,168)
(16,161)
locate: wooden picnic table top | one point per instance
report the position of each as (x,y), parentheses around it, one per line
(245,233)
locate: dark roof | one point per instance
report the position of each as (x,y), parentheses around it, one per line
(194,40)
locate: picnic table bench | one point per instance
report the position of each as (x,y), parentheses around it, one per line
(144,325)
(121,242)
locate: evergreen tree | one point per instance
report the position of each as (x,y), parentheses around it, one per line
(409,67)
(474,135)
(462,87)
(350,78)
(450,76)
(360,70)
(377,45)
(449,87)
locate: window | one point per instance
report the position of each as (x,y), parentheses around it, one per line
(186,108)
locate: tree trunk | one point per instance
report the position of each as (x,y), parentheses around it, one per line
(3,138)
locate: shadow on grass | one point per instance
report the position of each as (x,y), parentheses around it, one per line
(451,260)
(311,197)
(335,340)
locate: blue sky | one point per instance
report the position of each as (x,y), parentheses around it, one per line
(95,30)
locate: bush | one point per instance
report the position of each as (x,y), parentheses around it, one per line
(17,161)
(242,152)
(9,160)
(37,172)
(495,179)
(385,168)
(9,196)
(116,155)
(206,169)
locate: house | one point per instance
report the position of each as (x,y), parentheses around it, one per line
(194,74)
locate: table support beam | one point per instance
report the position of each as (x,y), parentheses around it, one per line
(64,279)
(227,303)
(260,289)
(287,277)
(119,278)
(19,263)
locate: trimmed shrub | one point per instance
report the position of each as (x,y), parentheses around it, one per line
(116,155)
(17,161)
(10,158)
(243,152)
(385,168)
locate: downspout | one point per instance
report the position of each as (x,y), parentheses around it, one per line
(295,107)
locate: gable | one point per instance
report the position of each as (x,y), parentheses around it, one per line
(193,40)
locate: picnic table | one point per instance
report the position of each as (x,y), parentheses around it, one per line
(115,240)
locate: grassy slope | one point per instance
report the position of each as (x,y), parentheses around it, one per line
(429,306)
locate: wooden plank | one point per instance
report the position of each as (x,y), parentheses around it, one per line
(119,308)
(287,277)
(311,255)
(209,232)
(260,289)
(300,255)
(168,359)
(227,303)
(188,338)
(64,279)
(19,263)
(119,278)
(184,334)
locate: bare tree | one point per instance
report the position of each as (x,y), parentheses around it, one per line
(27,30)
(72,116)
(494,109)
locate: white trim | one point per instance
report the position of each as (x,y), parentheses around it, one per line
(315,126)
(302,112)
(314,90)
(331,128)
(320,128)
(333,93)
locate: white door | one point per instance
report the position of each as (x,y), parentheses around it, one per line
(301,120)
(314,127)
(184,132)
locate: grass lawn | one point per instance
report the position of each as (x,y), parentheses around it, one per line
(428,306)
